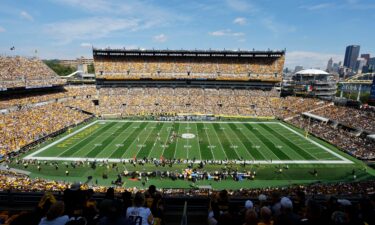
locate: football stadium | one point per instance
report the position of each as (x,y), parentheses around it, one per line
(204,132)
(184,121)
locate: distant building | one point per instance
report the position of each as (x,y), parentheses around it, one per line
(335,68)
(371,64)
(315,83)
(298,68)
(329,65)
(366,56)
(76,62)
(361,62)
(351,56)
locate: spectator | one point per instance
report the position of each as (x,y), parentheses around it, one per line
(139,214)
(74,199)
(251,217)
(55,215)
(114,215)
(287,216)
(265,216)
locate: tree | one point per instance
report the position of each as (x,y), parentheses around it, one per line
(61,70)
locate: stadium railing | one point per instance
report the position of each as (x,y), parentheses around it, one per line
(184,215)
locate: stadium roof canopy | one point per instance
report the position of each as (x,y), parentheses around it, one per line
(320,118)
(312,72)
(185,53)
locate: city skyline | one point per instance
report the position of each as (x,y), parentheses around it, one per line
(312,32)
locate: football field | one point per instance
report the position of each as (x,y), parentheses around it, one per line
(269,142)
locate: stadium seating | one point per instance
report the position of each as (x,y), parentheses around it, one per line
(16,100)
(356,118)
(24,126)
(24,72)
(357,146)
(311,204)
(162,101)
(234,69)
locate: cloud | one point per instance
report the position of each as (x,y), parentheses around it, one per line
(359,5)
(318,6)
(275,27)
(240,21)
(242,6)
(310,59)
(226,32)
(160,38)
(90,28)
(90,5)
(2,29)
(25,15)
(86,45)
(145,10)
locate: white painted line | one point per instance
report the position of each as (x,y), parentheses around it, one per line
(198,161)
(153,121)
(317,144)
(342,161)
(60,140)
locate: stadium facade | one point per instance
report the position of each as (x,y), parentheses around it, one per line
(196,68)
(314,83)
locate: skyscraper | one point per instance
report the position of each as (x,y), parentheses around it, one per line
(361,62)
(351,56)
(329,65)
(366,56)
(298,68)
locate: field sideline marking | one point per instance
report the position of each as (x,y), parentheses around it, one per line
(156,121)
(319,145)
(31,156)
(198,161)
(342,161)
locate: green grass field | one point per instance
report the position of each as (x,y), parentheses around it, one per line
(264,146)
(259,142)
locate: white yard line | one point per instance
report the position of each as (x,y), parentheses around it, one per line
(342,161)
(317,144)
(153,121)
(136,139)
(197,140)
(156,141)
(60,140)
(209,142)
(218,139)
(251,141)
(166,141)
(198,161)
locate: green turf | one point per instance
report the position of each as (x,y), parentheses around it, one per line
(212,141)
(257,142)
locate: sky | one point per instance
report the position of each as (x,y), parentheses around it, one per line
(311,31)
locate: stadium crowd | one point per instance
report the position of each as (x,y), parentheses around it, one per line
(360,147)
(69,92)
(27,125)
(26,72)
(198,68)
(245,102)
(356,118)
(312,204)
